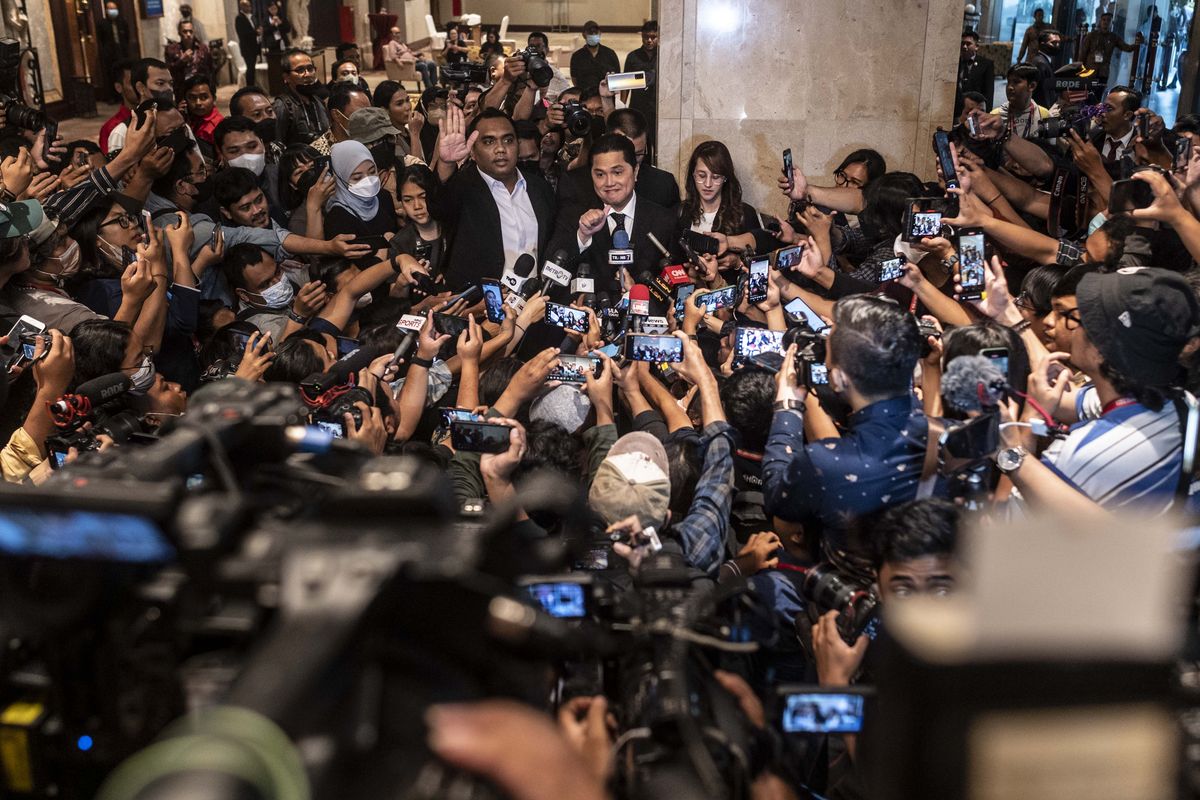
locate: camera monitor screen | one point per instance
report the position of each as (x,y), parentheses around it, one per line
(564,600)
(574,369)
(820,712)
(86,535)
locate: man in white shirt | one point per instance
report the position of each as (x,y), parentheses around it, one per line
(1020,113)
(1116,135)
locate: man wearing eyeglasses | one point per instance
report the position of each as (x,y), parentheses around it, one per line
(300,114)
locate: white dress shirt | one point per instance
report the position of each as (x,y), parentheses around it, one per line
(518,223)
(629,210)
(1124,145)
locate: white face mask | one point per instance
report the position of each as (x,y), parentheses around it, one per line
(279,294)
(350,78)
(143,377)
(366,188)
(68,261)
(255,162)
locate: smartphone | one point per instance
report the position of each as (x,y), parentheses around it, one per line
(725,297)
(572,319)
(143,108)
(559,597)
(813,710)
(1143,126)
(610,350)
(147,221)
(471,436)
(624,81)
(787,164)
(756,286)
(655,349)
(48,139)
(25,325)
(684,292)
(970,444)
(941,148)
(800,311)
(999,357)
(493,300)
(788,257)
(892,269)
(972,264)
(448,324)
(923,218)
(574,369)
(1129,194)
(972,126)
(815,374)
(471,295)
(346,345)
(335,429)
(29,344)
(449,415)
(749,342)
(1183,152)
(58,459)
(374,242)
(701,243)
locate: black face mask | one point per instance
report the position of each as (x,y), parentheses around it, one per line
(204,190)
(177,140)
(165,99)
(384,154)
(265,129)
(307,180)
(317,90)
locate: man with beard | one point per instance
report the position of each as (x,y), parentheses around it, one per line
(300,114)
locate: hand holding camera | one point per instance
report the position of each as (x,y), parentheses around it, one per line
(837,662)
(53,367)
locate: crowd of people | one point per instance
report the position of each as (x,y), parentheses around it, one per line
(184,247)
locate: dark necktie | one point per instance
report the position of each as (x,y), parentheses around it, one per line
(620,237)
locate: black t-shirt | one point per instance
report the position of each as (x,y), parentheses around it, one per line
(455,56)
(339,219)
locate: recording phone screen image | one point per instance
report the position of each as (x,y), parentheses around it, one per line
(926,224)
(823,713)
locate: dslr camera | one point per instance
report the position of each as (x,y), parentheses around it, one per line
(576,118)
(19,115)
(537,67)
(827,589)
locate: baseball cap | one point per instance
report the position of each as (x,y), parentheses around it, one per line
(1139,318)
(633,480)
(369,125)
(20,219)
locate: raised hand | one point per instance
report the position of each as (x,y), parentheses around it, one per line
(453,144)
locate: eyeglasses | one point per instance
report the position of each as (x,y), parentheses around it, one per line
(303,70)
(1071,318)
(1023,302)
(126,221)
(842,179)
(706,179)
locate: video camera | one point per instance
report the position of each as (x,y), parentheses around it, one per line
(18,114)
(465,73)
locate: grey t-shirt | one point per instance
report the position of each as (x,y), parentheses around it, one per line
(50,308)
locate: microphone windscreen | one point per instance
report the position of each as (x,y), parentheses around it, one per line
(524,265)
(972,382)
(106,387)
(639,300)
(620,240)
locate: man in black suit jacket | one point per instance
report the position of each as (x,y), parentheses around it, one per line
(975,74)
(248,32)
(493,211)
(112,34)
(617,206)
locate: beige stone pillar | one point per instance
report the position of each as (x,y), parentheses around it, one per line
(823,77)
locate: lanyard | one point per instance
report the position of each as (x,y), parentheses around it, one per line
(1120,402)
(1012,121)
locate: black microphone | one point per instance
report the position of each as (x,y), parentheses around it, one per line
(660,292)
(339,372)
(92,394)
(973,383)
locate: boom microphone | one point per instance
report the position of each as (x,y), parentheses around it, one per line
(973,383)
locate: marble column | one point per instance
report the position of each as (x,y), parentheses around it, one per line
(823,77)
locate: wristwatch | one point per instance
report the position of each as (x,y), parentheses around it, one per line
(1009,459)
(790,404)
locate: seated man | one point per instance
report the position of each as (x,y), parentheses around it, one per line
(617,214)
(1127,336)
(238,145)
(395,51)
(878,462)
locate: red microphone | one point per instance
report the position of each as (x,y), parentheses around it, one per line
(639,300)
(675,275)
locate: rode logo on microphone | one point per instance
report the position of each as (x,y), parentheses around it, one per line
(553,272)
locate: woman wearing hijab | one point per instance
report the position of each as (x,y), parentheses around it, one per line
(358,206)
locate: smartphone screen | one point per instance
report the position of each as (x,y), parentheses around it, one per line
(798,310)
(941,147)
(335,429)
(448,324)
(572,319)
(721,298)
(493,300)
(787,163)
(574,369)
(924,224)
(749,342)
(788,257)
(479,437)
(685,291)
(562,599)
(1183,152)
(610,350)
(971,265)
(1128,194)
(655,349)
(822,712)
(625,81)
(892,269)
(451,414)
(756,288)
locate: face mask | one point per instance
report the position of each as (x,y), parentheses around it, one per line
(265,129)
(204,190)
(68,264)
(365,188)
(592,39)
(1095,224)
(116,256)
(165,99)
(255,162)
(351,78)
(177,140)
(143,379)
(316,90)
(306,181)
(112,13)
(279,294)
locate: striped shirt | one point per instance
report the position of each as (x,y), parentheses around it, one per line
(1130,456)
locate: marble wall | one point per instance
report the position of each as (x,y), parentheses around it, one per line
(823,77)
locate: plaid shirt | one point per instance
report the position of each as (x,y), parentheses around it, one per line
(1069,254)
(706,527)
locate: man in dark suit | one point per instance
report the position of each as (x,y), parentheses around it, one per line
(576,193)
(115,44)
(248,32)
(494,212)
(617,206)
(975,74)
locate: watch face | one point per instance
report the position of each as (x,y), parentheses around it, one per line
(1009,459)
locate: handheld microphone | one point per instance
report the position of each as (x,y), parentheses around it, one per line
(639,307)
(516,278)
(555,270)
(676,275)
(526,283)
(621,254)
(583,283)
(660,292)
(659,246)
(973,383)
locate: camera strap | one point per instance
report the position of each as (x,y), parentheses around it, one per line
(1058,187)
(1081,203)
(929,467)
